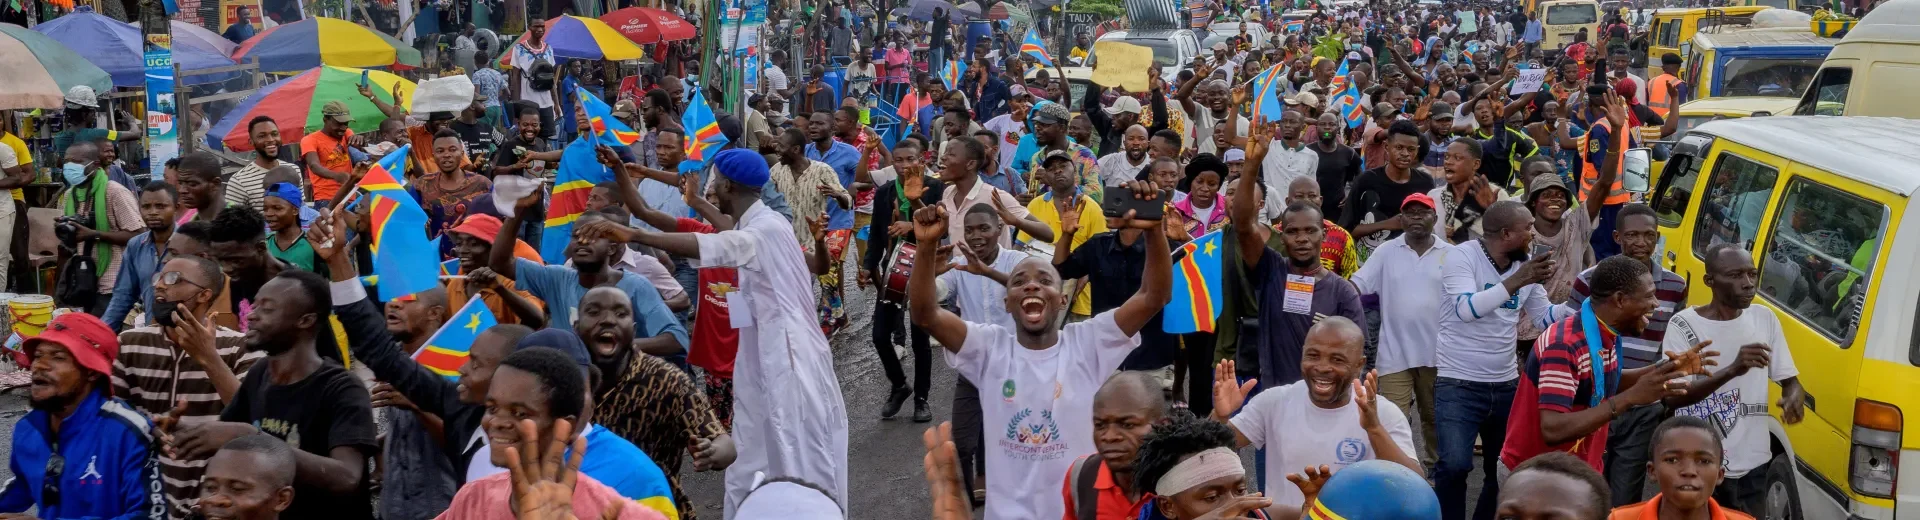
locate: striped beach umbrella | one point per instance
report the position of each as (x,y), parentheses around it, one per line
(39,70)
(294,104)
(314,42)
(580,37)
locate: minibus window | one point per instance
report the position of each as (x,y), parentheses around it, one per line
(1736,201)
(1828,94)
(1670,200)
(1820,256)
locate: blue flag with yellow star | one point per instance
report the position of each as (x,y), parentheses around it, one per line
(448,348)
(1197,289)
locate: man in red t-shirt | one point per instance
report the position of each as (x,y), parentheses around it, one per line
(715,341)
(1559,406)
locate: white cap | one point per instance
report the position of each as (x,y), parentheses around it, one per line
(1125,104)
(82,96)
(1234,155)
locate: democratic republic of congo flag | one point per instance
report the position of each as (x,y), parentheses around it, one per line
(703,137)
(1350,111)
(1266,102)
(950,74)
(404,261)
(1294,26)
(1197,286)
(448,348)
(450,267)
(579,171)
(1032,46)
(606,128)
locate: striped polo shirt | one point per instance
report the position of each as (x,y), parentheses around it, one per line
(152,375)
(1642,350)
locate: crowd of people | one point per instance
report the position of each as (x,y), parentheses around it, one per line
(1420,264)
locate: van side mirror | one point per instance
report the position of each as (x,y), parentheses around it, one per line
(1636,169)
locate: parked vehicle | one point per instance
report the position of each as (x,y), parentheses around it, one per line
(1821,202)
(1874,69)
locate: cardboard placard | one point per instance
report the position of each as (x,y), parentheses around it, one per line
(1121,64)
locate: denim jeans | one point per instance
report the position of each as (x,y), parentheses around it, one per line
(1462,411)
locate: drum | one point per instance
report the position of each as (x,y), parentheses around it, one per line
(30,313)
(899,267)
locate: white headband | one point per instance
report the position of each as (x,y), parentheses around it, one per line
(1199,469)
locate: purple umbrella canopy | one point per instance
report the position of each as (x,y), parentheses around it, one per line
(118,48)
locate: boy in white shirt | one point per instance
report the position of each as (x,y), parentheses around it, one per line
(1327,418)
(1734,398)
(1037,379)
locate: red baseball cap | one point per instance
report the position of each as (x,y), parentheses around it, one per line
(92,344)
(481,226)
(1420,198)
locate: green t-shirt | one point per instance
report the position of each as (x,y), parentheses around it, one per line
(300,254)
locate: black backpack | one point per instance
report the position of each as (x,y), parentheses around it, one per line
(541,74)
(79,284)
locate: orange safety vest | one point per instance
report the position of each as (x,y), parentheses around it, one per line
(1590,172)
(1657,94)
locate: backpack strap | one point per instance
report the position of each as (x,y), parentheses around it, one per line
(1086,501)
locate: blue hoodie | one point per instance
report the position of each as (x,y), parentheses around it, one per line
(108,473)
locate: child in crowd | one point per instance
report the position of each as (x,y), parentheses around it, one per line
(1686,464)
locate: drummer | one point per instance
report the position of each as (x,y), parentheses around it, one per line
(891,231)
(1081,211)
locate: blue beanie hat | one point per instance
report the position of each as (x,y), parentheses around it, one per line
(1375,489)
(742,166)
(564,341)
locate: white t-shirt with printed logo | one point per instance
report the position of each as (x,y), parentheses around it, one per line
(1037,408)
(1298,434)
(1739,407)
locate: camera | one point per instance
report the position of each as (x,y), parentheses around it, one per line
(67,229)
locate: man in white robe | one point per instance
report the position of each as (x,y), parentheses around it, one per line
(789,420)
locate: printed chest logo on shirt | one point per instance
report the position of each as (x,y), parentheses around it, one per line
(281,428)
(1513,302)
(1033,435)
(1351,450)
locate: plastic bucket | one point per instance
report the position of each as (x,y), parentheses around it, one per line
(30,313)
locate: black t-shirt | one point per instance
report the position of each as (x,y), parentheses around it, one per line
(328,409)
(1386,199)
(479,137)
(511,150)
(1337,168)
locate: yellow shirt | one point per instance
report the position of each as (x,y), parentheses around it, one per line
(22,153)
(1092,222)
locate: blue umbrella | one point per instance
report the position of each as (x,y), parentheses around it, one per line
(119,48)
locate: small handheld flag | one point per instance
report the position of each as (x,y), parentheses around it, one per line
(1351,110)
(450,267)
(579,172)
(1267,107)
(449,346)
(1197,289)
(607,129)
(402,256)
(1036,48)
(703,135)
(950,74)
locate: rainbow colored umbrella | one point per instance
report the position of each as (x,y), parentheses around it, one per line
(314,42)
(39,70)
(294,104)
(579,37)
